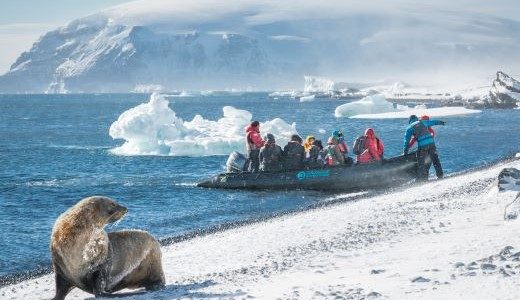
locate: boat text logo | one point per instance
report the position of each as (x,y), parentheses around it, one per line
(312,174)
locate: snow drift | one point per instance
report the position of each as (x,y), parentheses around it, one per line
(153,128)
(440,240)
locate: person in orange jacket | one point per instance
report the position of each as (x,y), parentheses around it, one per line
(373,148)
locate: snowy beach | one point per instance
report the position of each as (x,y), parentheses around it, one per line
(149,105)
(444,239)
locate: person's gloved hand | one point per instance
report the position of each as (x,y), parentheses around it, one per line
(443,123)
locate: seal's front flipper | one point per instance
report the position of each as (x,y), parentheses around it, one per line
(63,287)
(99,279)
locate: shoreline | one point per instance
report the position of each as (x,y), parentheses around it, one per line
(180,258)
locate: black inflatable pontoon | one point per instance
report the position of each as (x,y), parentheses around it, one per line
(391,172)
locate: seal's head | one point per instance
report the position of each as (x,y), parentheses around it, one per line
(96,211)
(106,209)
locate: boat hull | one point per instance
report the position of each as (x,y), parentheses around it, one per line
(390,172)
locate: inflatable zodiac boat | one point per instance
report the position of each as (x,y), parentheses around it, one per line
(390,172)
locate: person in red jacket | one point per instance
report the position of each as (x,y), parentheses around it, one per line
(373,146)
(253,144)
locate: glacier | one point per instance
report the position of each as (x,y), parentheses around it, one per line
(265,45)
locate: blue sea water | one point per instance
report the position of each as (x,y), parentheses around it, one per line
(54,150)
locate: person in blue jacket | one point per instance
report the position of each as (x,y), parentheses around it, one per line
(425,145)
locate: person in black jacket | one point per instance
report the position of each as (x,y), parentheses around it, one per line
(313,157)
(270,155)
(294,153)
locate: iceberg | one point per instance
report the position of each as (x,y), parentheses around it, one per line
(369,105)
(318,84)
(153,128)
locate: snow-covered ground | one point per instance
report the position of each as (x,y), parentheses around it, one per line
(441,240)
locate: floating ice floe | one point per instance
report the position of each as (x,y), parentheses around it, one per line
(153,128)
(307,98)
(376,107)
(419,111)
(148,88)
(369,105)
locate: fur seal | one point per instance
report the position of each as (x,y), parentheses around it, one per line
(85,256)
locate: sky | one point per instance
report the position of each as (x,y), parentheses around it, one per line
(22,22)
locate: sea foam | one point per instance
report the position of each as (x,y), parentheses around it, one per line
(153,128)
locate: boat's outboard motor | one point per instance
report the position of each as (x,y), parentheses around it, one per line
(236,162)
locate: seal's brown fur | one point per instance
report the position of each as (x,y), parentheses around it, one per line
(85,256)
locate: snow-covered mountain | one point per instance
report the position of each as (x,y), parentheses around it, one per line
(505,91)
(265,44)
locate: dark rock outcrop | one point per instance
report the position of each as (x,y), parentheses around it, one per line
(505,91)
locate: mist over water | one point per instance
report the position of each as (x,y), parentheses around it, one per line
(56,149)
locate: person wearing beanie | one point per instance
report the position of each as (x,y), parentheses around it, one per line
(270,155)
(332,153)
(294,153)
(425,145)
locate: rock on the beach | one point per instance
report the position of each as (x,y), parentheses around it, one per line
(420,279)
(488,266)
(509,179)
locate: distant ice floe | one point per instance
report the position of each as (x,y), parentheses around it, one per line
(183,94)
(307,98)
(148,88)
(376,107)
(153,128)
(374,104)
(419,111)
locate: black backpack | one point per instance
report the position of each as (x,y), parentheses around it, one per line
(359,145)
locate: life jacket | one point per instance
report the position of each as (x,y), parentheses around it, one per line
(422,134)
(253,139)
(330,157)
(308,143)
